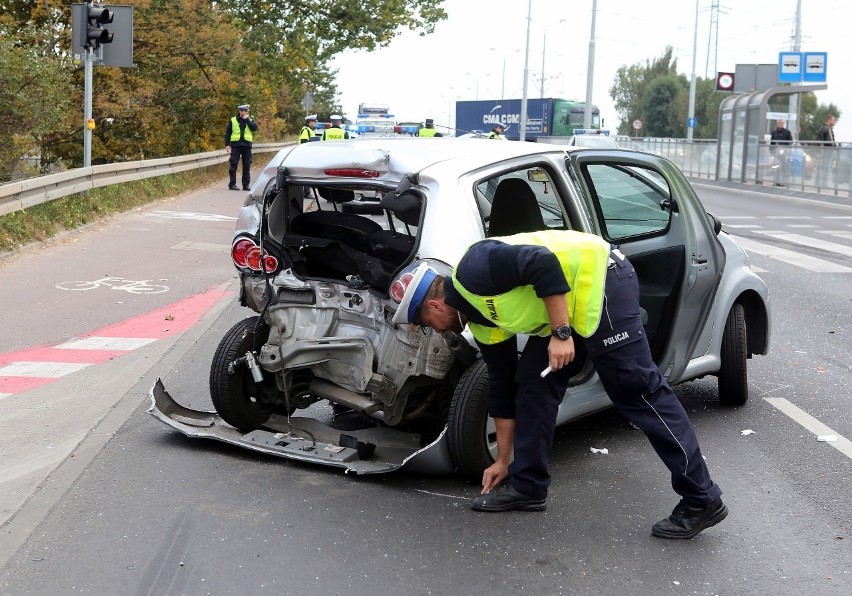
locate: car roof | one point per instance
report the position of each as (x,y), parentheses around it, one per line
(394,157)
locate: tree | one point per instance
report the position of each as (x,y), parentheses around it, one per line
(630,83)
(660,107)
(34,93)
(297,40)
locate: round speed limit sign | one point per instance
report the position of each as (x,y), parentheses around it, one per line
(637,124)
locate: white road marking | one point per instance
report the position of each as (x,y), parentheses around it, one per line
(811,424)
(750,226)
(191,215)
(811,242)
(50,370)
(837,216)
(796,217)
(202,246)
(802,226)
(2,395)
(843,234)
(791,257)
(105,343)
(757,269)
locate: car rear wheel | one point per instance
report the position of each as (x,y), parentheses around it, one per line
(733,376)
(471,435)
(235,395)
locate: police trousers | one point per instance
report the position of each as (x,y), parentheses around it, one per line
(621,356)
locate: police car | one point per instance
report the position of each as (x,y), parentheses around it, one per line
(595,138)
(320,373)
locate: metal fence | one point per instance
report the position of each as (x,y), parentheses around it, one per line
(21,194)
(806,166)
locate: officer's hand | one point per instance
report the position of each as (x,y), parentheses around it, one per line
(228,149)
(494,475)
(560,351)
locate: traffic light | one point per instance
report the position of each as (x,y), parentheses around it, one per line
(92,32)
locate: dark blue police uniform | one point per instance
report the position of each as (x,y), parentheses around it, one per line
(618,349)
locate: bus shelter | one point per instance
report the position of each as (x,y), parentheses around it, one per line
(741,153)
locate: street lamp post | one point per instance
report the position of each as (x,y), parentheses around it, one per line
(523,123)
(590,74)
(544,53)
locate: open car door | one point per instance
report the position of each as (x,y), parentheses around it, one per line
(648,210)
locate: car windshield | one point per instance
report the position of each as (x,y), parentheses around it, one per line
(594,141)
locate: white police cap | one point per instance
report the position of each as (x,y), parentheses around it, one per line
(245,107)
(311,117)
(336,117)
(409,289)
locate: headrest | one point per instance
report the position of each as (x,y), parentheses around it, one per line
(336,195)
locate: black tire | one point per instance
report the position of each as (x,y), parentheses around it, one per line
(235,394)
(733,374)
(471,437)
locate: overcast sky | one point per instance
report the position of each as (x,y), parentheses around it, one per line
(422,77)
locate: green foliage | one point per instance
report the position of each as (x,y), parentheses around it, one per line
(195,61)
(660,105)
(658,96)
(34,93)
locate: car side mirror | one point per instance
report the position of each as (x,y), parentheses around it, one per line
(717,225)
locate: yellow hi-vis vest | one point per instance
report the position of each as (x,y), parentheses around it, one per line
(426,132)
(306,135)
(584,259)
(235,131)
(333,134)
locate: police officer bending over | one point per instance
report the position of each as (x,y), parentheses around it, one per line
(572,295)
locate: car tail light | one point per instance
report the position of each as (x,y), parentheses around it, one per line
(239,250)
(270,263)
(352,173)
(253,258)
(246,254)
(398,287)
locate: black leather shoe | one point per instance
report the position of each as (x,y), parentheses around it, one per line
(233,187)
(686,521)
(506,498)
(246,188)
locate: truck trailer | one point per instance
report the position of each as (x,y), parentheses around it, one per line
(547,117)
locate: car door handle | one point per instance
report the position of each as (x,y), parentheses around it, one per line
(698,261)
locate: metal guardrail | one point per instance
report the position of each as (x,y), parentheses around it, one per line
(22,194)
(806,165)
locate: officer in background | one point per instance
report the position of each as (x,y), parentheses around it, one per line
(306,135)
(497,132)
(572,294)
(239,135)
(428,130)
(335,133)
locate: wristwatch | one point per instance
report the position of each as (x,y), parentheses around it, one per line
(562,332)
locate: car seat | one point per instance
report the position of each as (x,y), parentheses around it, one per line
(514,209)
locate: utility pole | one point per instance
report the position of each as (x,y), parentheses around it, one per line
(689,125)
(795,106)
(523,136)
(590,73)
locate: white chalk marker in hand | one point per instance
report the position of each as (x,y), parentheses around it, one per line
(546,372)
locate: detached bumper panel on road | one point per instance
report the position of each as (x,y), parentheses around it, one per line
(304,439)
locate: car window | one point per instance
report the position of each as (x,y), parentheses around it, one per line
(629,198)
(534,183)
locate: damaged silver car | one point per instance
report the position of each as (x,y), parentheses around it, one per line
(320,373)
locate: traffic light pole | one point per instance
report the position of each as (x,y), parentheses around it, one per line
(88,59)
